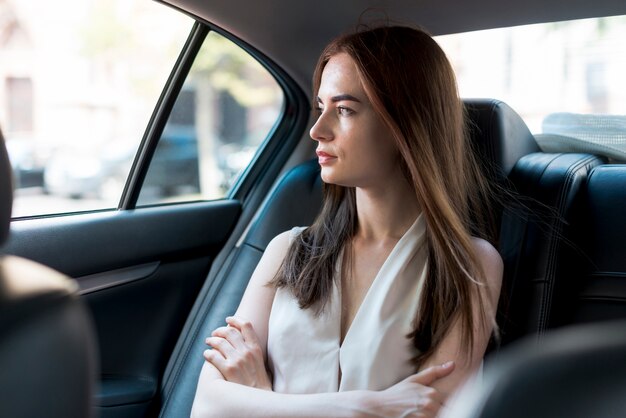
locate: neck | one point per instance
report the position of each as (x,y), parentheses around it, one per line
(386,212)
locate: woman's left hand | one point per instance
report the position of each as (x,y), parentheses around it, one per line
(237,354)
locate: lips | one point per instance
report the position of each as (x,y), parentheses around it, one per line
(325,158)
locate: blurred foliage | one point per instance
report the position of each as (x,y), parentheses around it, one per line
(603,25)
(230,68)
(109,40)
(114,40)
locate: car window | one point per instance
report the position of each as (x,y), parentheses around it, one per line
(78,83)
(223,113)
(574,66)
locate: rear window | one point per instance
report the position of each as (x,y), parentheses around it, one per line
(573,67)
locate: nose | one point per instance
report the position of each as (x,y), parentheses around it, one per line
(321,130)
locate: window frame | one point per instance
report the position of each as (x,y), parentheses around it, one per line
(272,152)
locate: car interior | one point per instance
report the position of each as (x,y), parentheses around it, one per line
(46,332)
(104,313)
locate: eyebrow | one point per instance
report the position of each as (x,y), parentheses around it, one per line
(340,98)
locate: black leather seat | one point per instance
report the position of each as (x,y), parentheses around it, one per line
(597,277)
(535,241)
(576,372)
(579,276)
(497,131)
(534,233)
(48,359)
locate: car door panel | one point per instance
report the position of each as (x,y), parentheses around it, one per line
(139,272)
(90,243)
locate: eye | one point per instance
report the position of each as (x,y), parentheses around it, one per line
(345,111)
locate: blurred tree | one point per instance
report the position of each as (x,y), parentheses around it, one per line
(230,68)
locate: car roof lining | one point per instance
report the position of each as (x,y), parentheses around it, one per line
(294,39)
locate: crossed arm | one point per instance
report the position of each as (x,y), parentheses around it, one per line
(234,380)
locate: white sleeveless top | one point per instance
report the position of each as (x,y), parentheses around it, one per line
(304,353)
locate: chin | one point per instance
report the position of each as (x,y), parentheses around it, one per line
(335,181)
(327,176)
(330,176)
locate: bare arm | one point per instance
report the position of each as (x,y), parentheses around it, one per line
(452,347)
(254,311)
(413,397)
(254,308)
(256,303)
(226,399)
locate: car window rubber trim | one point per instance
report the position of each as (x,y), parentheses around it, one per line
(161,114)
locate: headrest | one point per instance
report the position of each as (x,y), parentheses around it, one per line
(45,332)
(499,135)
(577,371)
(6,191)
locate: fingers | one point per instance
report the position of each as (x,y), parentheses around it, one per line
(246,328)
(222,346)
(232,335)
(430,375)
(215,358)
(233,340)
(233,343)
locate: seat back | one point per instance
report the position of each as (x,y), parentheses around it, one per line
(535,241)
(48,357)
(575,372)
(499,135)
(533,218)
(578,276)
(597,277)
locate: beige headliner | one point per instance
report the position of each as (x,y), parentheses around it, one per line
(292,33)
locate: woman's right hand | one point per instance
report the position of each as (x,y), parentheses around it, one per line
(413,396)
(237,354)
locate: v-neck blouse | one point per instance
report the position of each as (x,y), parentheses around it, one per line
(304,350)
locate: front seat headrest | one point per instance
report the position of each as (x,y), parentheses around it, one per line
(577,371)
(6,191)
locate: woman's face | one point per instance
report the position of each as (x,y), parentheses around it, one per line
(355,148)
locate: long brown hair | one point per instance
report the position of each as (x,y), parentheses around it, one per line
(412,86)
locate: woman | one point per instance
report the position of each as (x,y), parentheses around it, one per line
(388,281)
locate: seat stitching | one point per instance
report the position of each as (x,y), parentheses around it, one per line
(580,167)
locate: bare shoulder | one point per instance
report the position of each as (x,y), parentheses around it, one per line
(491,262)
(272,258)
(279,245)
(493,269)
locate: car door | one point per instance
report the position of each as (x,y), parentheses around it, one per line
(222,128)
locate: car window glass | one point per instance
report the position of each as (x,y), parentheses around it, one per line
(78,82)
(574,66)
(223,113)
